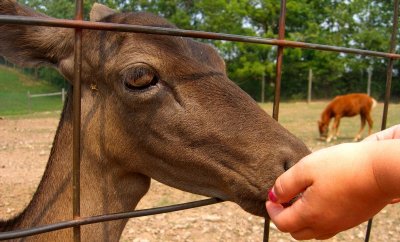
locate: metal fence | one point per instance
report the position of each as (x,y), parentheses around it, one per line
(78,24)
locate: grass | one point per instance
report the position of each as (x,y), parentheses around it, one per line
(14,87)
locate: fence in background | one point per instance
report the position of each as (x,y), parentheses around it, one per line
(30,96)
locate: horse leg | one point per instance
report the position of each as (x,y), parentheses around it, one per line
(370,123)
(358,136)
(336,130)
(333,130)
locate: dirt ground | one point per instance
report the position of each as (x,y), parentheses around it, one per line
(25,144)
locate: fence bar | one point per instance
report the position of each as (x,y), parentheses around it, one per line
(76,166)
(45,94)
(6,19)
(29,101)
(107,217)
(388,87)
(279,61)
(62,95)
(266,230)
(390,64)
(277,96)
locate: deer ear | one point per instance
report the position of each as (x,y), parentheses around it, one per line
(99,12)
(32,45)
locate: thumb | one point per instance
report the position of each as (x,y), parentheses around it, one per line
(290,184)
(390,133)
(273,209)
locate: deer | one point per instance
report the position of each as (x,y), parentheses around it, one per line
(348,105)
(162,108)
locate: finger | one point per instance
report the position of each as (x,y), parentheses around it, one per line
(286,219)
(304,234)
(309,233)
(291,183)
(390,133)
(326,236)
(273,209)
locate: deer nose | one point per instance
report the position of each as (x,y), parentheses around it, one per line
(294,156)
(287,164)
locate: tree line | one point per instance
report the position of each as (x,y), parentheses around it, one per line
(362,24)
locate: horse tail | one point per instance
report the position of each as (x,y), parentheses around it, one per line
(374,102)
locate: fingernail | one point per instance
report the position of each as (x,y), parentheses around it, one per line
(271,196)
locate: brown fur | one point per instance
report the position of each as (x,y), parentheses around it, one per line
(194,129)
(346,106)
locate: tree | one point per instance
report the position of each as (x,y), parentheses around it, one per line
(359,24)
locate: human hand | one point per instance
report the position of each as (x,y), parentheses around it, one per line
(338,191)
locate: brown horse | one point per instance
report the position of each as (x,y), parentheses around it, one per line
(346,106)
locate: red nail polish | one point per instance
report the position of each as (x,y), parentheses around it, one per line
(271,196)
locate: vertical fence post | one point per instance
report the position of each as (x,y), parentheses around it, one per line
(263,88)
(309,93)
(279,60)
(277,97)
(369,71)
(388,86)
(390,64)
(62,95)
(29,102)
(76,166)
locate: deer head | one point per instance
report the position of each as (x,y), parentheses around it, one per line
(162,106)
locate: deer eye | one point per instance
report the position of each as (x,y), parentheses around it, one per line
(140,77)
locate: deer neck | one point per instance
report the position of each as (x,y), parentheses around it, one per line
(104,189)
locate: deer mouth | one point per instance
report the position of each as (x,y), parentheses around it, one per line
(252,202)
(255,207)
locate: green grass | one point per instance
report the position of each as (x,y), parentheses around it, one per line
(14,87)
(301,119)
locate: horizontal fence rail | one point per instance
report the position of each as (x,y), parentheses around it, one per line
(65,23)
(62,93)
(107,217)
(46,94)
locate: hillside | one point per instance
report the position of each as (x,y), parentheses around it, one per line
(14,86)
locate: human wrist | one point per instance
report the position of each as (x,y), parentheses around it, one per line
(385,161)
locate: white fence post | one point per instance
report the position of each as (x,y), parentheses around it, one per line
(310,77)
(29,102)
(62,95)
(369,70)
